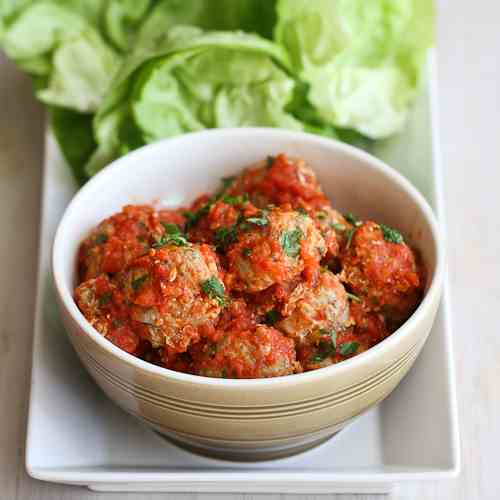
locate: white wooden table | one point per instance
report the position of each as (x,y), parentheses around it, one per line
(469,73)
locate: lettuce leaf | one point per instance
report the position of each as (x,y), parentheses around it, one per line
(58,43)
(190,80)
(361,59)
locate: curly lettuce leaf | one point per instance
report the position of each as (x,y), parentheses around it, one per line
(58,43)
(191,80)
(362,60)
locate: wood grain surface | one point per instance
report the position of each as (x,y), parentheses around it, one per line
(469,84)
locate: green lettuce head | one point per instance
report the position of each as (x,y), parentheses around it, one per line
(58,43)
(362,59)
(187,80)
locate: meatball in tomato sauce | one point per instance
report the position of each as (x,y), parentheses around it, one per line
(272,247)
(382,270)
(121,238)
(280,180)
(259,352)
(315,308)
(103,305)
(173,292)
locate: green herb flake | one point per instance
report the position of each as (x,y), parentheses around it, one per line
(261,220)
(348,348)
(235,200)
(246,252)
(214,289)
(171,228)
(337,226)
(224,236)
(332,334)
(138,282)
(321,215)
(101,238)
(352,219)
(173,236)
(104,298)
(290,242)
(270,160)
(271,317)
(353,297)
(178,240)
(391,235)
(302,211)
(350,234)
(326,349)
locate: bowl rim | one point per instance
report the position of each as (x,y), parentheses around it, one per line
(364,358)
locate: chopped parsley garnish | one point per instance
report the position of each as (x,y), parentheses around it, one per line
(104,298)
(302,211)
(352,219)
(138,282)
(214,289)
(271,317)
(332,334)
(290,242)
(246,252)
(350,234)
(224,236)
(351,296)
(325,350)
(235,200)
(337,226)
(270,160)
(171,228)
(321,215)
(173,236)
(390,234)
(261,220)
(348,348)
(101,238)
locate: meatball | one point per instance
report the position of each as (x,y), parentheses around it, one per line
(278,181)
(274,247)
(315,308)
(258,353)
(118,240)
(173,292)
(103,306)
(382,270)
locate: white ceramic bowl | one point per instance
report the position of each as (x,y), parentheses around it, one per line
(248,419)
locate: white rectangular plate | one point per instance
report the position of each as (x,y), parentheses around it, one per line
(77,436)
